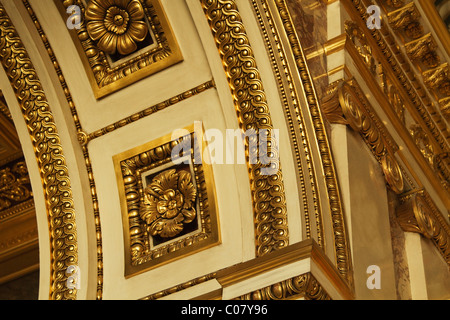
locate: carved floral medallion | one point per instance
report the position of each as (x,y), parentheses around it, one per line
(169,203)
(116,25)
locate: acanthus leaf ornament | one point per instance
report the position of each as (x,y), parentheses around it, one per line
(116,25)
(169,203)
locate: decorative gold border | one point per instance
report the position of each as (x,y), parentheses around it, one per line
(341,243)
(49,155)
(269,203)
(106,79)
(93,190)
(128,167)
(298,134)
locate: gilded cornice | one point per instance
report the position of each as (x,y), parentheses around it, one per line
(391,97)
(49,155)
(416,97)
(304,285)
(269,203)
(422,48)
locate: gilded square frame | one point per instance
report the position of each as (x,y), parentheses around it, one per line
(106,79)
(129,167)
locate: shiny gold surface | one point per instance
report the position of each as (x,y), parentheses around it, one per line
(342,249)
(291,287)
(303,286)
(49,156)
(385,88)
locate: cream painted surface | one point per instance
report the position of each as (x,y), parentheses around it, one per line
(234,224)
(96,114)
(74,160)
(413,248)
(366,203)
(436,271)
(195,291)
(266,279)
(339,146)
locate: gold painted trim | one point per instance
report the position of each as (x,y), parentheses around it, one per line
(418,213)
(303,286)
(270,214)
(298,135)
(415,96)
(211,295)
(105,78)
(86,138)
(49,155)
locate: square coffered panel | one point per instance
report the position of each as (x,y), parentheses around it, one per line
(168,202)
(120,41)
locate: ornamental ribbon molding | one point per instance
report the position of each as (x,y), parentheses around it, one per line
(269,203)
(49,155)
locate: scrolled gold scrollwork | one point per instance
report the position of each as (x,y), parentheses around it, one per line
(269,203)
(14,185)
(392,173)
(304,285)
(49,155)
(418,213)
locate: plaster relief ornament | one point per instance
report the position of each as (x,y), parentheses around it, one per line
(169,203)
(116,25)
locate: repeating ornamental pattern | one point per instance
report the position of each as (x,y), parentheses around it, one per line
(269,203)
(49,155)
